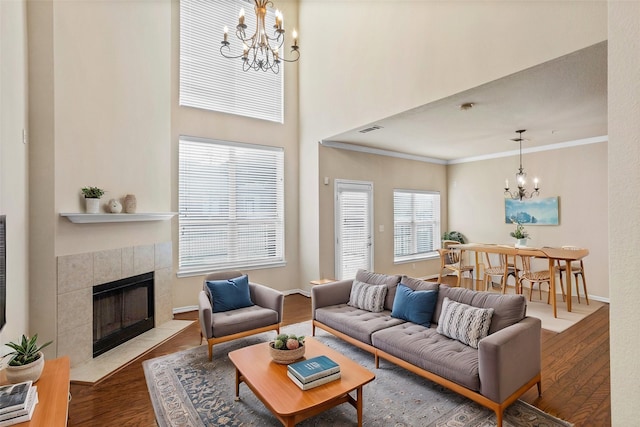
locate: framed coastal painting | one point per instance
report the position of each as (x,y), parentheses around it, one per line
(542,211)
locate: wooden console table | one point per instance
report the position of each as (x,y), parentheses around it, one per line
(52,409)
(552,254)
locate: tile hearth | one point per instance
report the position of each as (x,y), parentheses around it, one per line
(102,366)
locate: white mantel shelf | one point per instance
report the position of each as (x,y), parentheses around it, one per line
(85,218)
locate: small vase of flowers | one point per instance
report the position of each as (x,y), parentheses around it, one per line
(520,234)
(287,348)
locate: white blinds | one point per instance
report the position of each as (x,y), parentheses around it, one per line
(354,229)
(212,82)
(416,217)
(231,205)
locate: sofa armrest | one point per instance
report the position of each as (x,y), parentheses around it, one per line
(204,314)
(267,297)
(509,358)
(330,294)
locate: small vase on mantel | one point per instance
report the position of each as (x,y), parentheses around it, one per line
(130,203)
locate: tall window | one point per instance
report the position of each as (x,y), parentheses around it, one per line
(416,220)
(231,206)
(212,82)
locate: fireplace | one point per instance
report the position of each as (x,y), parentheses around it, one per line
(122,310)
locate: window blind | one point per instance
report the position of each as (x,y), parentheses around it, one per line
(231,205)
(212,82)
(416,218)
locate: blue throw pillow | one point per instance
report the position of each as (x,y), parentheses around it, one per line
(229,294)
(414,306)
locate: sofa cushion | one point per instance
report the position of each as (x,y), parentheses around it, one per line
(381,279)
(508,309)
(229,294)
(367,297)
(419,284)
(241,320)
(464,323)
(427,349)
(414,306)
(355,322)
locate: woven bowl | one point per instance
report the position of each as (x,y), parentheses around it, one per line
(284,357)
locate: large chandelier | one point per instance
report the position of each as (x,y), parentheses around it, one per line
(261,51)
(521,178)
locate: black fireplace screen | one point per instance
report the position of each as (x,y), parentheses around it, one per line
(121,310)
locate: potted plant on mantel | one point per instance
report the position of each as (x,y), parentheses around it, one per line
(92,198)
(27,361)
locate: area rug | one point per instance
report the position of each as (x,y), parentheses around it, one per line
(189,391)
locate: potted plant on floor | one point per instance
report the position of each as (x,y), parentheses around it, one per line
(27,361)
(92,198)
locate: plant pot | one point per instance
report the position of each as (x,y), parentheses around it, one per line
(521,243)
(30,371)
(92,205)
(284,357)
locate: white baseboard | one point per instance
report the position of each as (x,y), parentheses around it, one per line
(185,309)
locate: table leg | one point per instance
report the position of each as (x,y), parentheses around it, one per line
(359,405)
(567,262)
(237,384)
(552,286)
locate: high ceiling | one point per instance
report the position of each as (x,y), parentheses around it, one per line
(560,101)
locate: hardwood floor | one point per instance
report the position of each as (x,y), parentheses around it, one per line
(575,375)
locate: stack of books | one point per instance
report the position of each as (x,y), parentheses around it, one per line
(313,372)
(17,402)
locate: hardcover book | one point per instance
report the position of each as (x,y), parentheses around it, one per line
(312,384)
(21,415)
(13,397)
(313,369)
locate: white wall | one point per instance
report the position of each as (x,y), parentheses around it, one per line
(13,165)
(624,205)
(100,116)
(387,57)
(577,175)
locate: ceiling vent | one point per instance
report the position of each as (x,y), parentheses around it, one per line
(371,129)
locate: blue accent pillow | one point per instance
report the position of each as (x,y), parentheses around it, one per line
(229,294)
(414,306)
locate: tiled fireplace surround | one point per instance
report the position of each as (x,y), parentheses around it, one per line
(79,273)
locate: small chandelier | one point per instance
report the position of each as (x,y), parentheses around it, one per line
(521,178)
(261,51)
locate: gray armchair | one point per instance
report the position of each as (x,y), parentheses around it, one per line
(264,315)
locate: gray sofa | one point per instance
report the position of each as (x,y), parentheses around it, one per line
(506,363)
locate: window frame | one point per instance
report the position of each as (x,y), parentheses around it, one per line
(414,224)
(229,223)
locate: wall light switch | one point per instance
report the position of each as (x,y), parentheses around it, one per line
(326,180)
(381,228)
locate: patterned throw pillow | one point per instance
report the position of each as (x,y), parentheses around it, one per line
(463,322)
(367,297)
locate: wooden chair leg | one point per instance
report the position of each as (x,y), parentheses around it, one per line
(564,297)
(584,286)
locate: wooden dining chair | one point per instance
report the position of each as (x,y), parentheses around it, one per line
(577,269)
(535,277)
(451,259)
(491,271)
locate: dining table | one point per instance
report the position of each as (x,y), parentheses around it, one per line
(553,254)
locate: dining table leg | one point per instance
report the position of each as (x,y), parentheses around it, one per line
(567,262)
(552,286)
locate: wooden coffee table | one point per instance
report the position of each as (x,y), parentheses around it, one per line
(269,382)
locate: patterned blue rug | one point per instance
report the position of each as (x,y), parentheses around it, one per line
(189,391)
